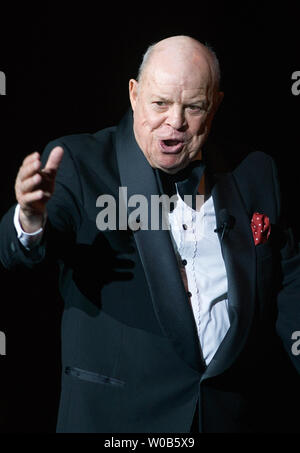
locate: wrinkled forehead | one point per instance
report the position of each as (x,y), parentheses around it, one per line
(186,71)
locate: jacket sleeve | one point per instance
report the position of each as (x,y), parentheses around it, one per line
(288,300)
(63,218)
(288,296)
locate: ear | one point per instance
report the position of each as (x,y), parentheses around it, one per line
(218,100)
(218,97)
(133,92)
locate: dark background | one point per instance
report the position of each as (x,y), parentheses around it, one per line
(67,72)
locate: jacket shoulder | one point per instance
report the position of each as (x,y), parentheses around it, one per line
(257,180)
(84,144)
(255,162)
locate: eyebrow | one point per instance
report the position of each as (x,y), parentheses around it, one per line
(167,100)
(161,98)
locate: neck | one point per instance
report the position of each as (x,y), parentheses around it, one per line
(202,187)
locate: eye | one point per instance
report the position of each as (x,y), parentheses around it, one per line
(196,108)
(160,103)
(160,106)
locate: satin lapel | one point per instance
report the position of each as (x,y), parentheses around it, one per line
(156,251)
(238,251)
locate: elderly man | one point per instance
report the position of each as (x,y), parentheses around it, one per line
(163,330)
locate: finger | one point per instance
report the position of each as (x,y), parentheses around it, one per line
(31,157)
(54,159)
(29,169)
(31,197)
(29,184)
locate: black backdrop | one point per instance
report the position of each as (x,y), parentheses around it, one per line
(67,71)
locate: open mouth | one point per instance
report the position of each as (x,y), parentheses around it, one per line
(171,146)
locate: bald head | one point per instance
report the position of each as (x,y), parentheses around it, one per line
(181,50)
(174,101)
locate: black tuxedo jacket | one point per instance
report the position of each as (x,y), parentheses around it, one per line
(131,358)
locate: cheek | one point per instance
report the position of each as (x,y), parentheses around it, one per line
(198,125)
(199,132)
(150,120)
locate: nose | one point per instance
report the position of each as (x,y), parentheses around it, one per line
(176,117)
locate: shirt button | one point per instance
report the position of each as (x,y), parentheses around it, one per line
(184,262)
(184,226)
(189,294)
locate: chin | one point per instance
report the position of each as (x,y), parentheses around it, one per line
(172,168)
(172,163)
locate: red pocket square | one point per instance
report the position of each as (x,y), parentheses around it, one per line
(261,228)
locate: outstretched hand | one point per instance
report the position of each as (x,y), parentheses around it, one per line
(35,186)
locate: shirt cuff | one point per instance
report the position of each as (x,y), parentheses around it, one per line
(28,240)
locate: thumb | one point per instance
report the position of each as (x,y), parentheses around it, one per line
(54,159)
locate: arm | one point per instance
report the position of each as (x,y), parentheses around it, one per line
(57,200)
(288,297)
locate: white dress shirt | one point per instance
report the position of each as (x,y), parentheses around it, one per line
(198,250)
(28,240)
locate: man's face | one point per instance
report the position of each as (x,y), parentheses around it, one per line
(173,108)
